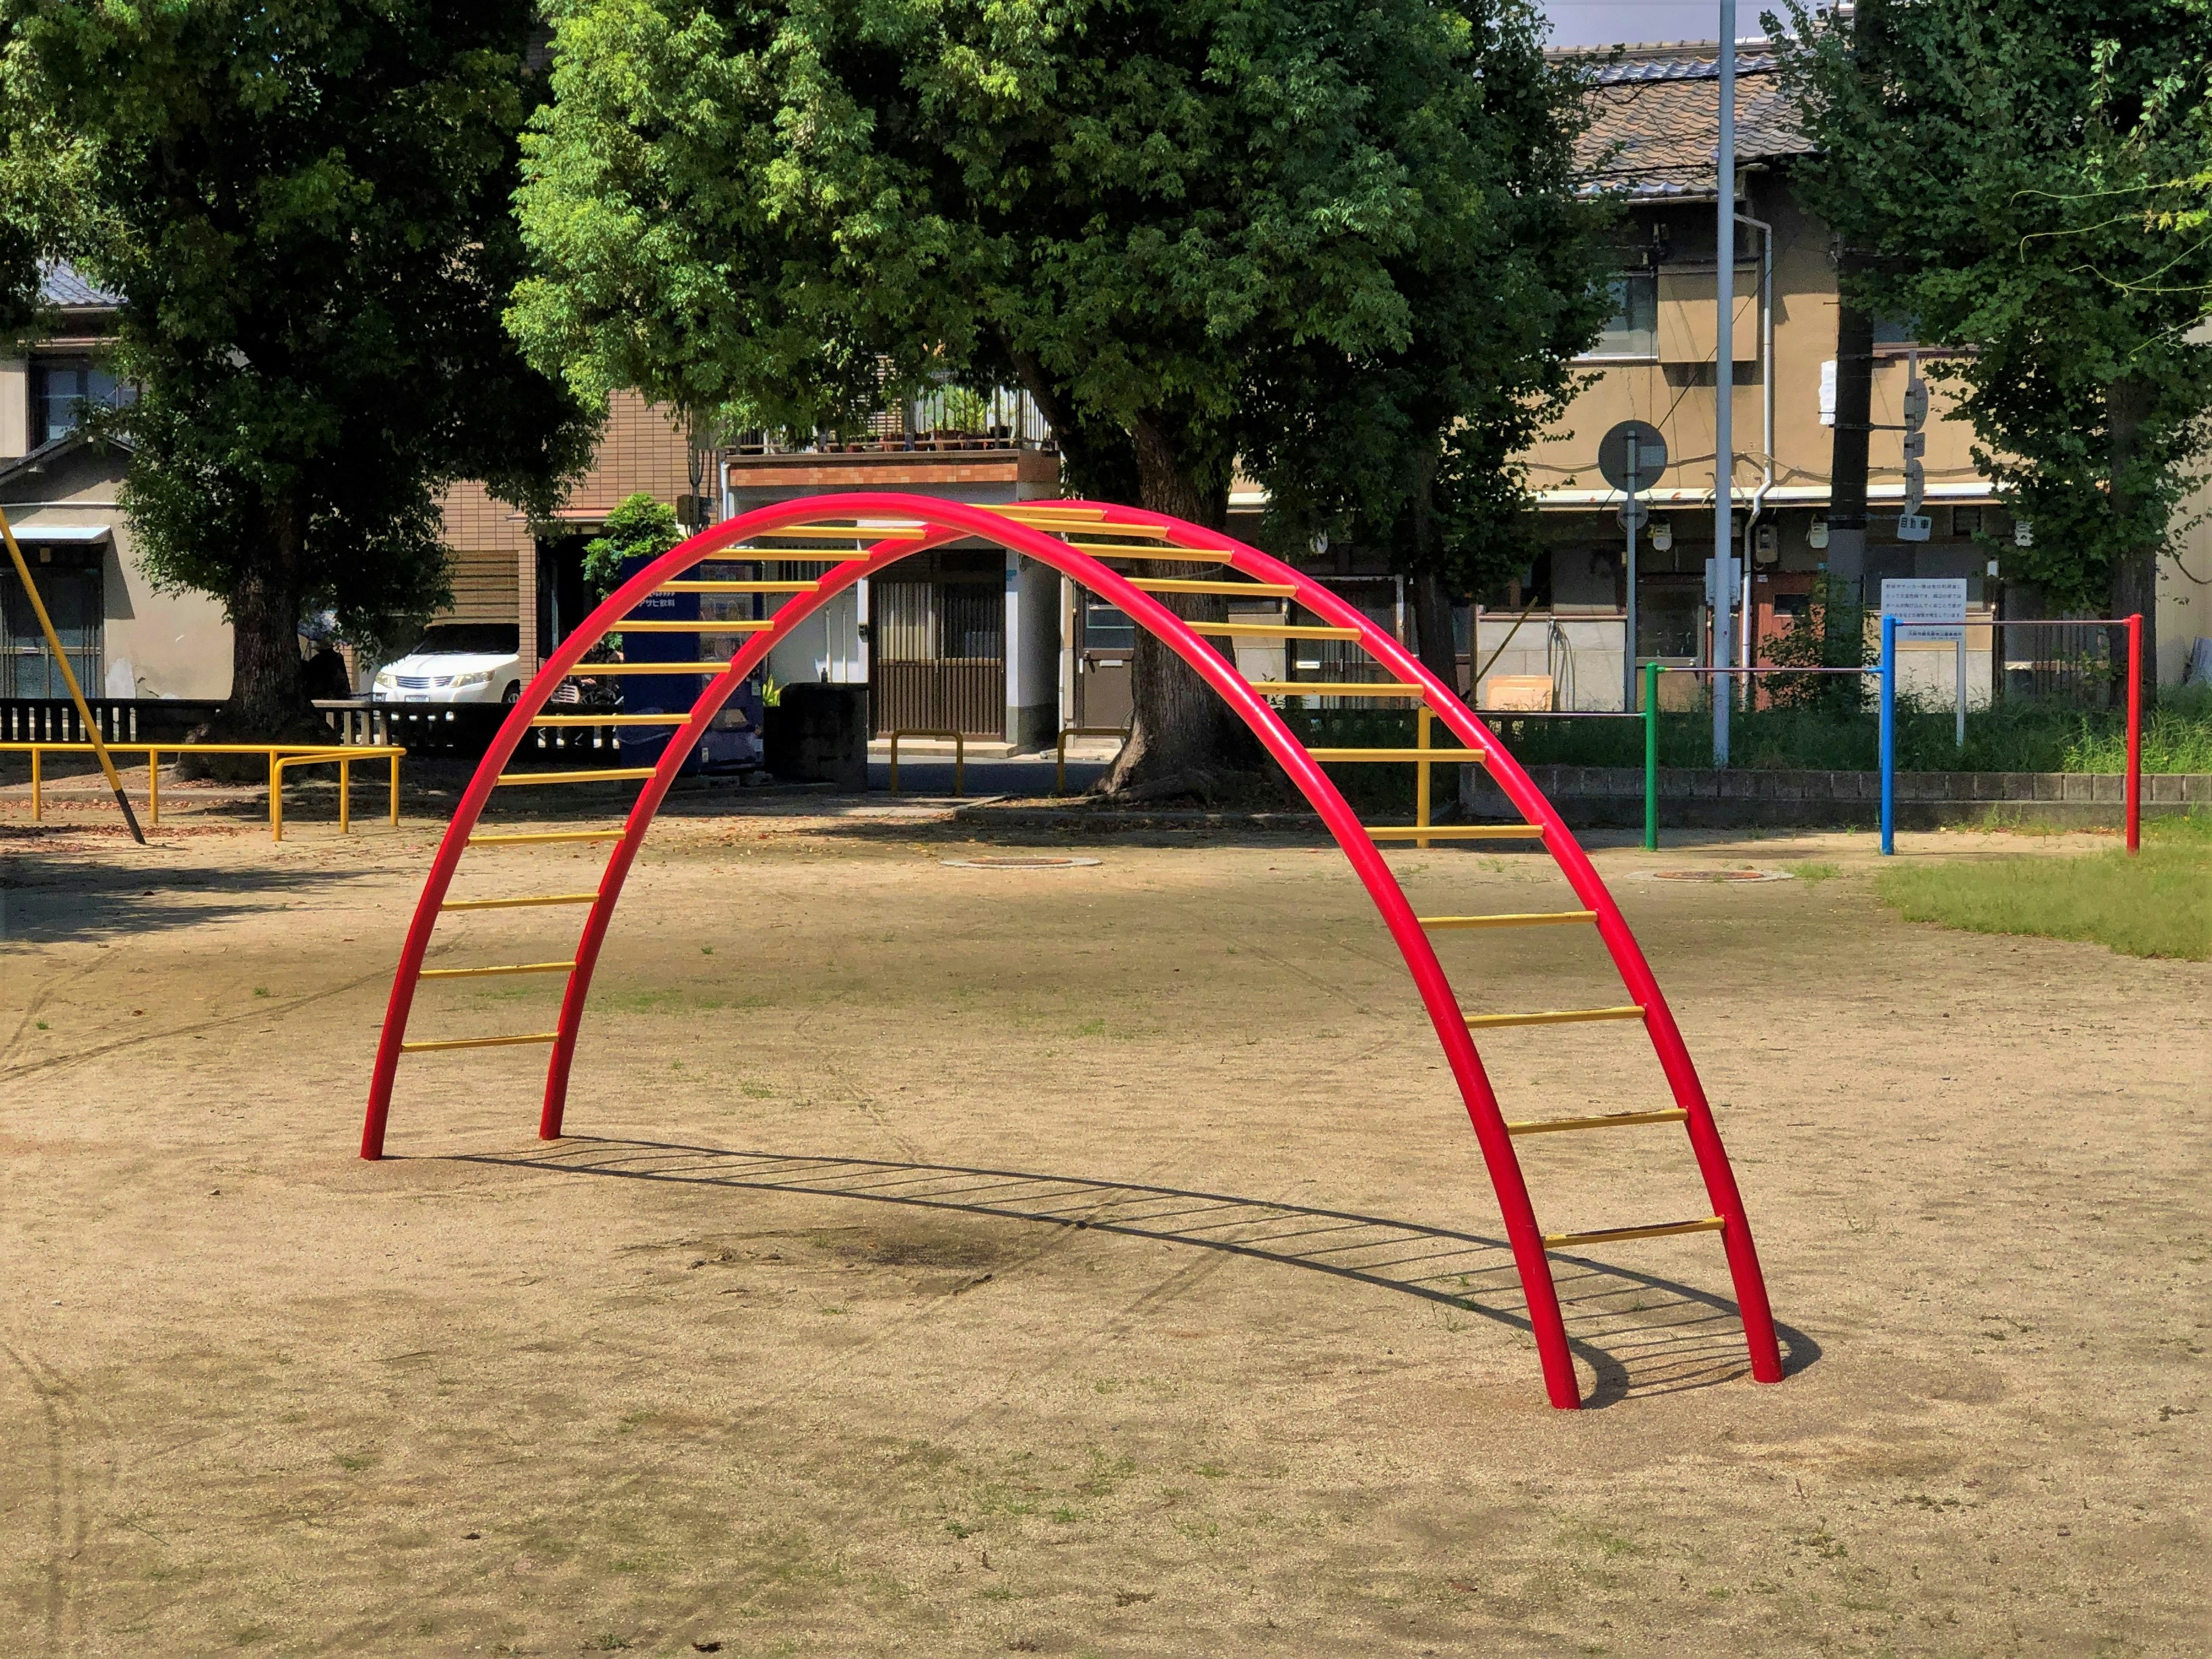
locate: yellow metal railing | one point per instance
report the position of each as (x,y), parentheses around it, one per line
(1059,767)
(959,755)
(281,756)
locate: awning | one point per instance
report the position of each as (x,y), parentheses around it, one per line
(80,534)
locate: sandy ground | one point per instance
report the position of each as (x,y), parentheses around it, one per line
(1089,1260)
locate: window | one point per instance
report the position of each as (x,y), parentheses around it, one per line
(60,388)
(470,639)
(70,582)
(1632,330)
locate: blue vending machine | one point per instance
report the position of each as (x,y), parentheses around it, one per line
(732,743)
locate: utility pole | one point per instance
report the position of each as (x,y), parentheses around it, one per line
(1854,413)
(1724,386)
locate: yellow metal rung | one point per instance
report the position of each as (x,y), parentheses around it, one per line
(1455,831)
(1196,555)
(612,775)
(738,588)
(1433,757)
(842,533)
(477,1042)
(517,903)
(1545,1126)
(1556,1017)
(1337,687)
(506,968)
(704,625)
(609,719)
(586,671)
(1608,1234)
(1273,630)
(1179,585)
(1526,918)
(535,836)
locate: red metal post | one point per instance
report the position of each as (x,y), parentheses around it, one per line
(2135,732)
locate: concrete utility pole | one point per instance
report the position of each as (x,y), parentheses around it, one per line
(1724,386)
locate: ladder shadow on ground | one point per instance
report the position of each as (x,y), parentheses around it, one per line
(1638,1333)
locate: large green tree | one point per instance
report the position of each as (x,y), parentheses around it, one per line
(306,206)
(2002,173)
(1139,210)
(1417,448)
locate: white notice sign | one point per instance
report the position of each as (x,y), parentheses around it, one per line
(1926,609)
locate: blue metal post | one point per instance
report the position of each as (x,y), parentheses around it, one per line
(1888,735)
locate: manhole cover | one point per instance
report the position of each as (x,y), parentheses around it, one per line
(1039,863)
(1719,875)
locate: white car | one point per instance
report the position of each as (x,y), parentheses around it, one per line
(455,663)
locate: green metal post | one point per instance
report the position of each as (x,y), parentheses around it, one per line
(1650,756)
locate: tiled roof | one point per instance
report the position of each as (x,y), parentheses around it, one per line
(1657,118)
(60,285)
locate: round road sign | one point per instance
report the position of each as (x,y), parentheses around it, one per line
(1651,454)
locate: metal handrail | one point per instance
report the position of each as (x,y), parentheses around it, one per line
(959,755)
(280,754)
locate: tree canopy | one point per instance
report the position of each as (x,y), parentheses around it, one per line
(306,205)
(1169,219)
(2009,176)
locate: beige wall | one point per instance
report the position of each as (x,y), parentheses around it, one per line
(1674,390)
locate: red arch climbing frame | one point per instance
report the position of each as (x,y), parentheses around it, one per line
(1033,528)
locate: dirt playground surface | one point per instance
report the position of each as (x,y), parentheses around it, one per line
(1081,1261)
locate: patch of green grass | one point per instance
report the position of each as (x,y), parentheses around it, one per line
(1815,873)
(2156,904)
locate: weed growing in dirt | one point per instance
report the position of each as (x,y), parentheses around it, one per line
(2156,904)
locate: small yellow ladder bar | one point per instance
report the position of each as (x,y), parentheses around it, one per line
(517,903)
(1273,630)
(1545,1126)
(737,586)
(909,531)
(704,625)
(477,1042)
(1510,918)
(1455,831)
(1711,1224)
(1555,1017)
(1425,756)
(503,968)
(1193,555)
(1335,688)
(1180,585)
(609,774)
(611,720)
(537,838)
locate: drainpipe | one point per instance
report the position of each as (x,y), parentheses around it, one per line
(1766,428)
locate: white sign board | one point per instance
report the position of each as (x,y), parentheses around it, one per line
(1914,526)
(1926,609)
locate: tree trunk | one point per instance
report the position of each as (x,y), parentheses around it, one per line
(1436,642)
(1847,469)
(2134,569)
(267,693)
(1182,739)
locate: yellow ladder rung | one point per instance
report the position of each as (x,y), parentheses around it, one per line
(839,532)
(609,719)
(1195,555)
(704,625)
(517,903)
(1511,919)
(1337,689)
(1545,1126)
(1455,831)
(1180,585)
(504,968)
(1432,756)
(1608,1234)
(1555,1017)
(584,671)
(537,836)
(1274,630)
(477,1042)
(612,775)
(738,588)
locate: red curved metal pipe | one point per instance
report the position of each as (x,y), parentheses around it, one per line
(956,519)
